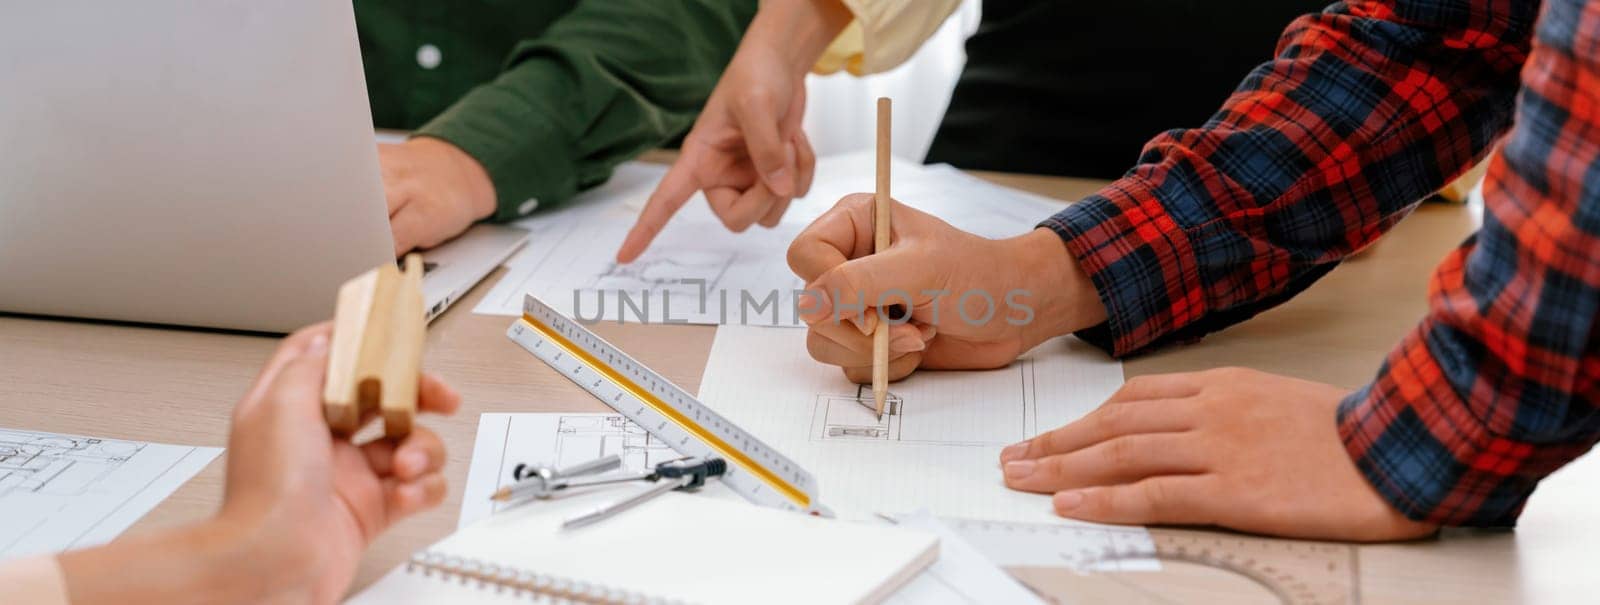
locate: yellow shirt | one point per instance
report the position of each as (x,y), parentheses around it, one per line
(883,35)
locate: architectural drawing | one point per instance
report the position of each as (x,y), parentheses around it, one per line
(934,414)
(67,491)
(58,465)
(581,438)
(700,269)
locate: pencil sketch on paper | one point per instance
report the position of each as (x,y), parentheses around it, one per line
(582,438)
(689,269)
(59,465)
(65,491)
(922,413)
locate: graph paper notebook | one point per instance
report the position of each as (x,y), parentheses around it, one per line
(675,548)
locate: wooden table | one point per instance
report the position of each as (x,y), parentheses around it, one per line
(179,386)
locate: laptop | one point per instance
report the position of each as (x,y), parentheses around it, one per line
(205,164)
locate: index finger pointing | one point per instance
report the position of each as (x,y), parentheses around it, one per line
(665,201)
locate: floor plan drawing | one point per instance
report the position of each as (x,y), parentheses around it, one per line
(584,437)
(61,465)
(70,491)
(939,444)
(930,411)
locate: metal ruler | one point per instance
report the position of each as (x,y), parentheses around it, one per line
(755,470)
(1287,571)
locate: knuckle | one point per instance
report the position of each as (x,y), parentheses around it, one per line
(1155,495)
(755,97)
(1120,452)
(1229,374)
(856,201)
(1110,419)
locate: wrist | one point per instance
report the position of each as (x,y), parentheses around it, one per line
(475,186)
(799,29)
(211,562)
(1065,298)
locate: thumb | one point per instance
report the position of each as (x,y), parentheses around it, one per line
(669,196)
(297,389)
(759,120)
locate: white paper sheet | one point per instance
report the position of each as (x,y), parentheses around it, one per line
(939,447)
(59,492)
(961,576)
(556,439)
(696,271)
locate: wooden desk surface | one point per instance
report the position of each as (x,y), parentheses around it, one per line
(179,386)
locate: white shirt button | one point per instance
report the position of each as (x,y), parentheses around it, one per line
(528,206)
(428,56)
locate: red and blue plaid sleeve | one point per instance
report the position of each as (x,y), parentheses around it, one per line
(1367,108)
(1496,387)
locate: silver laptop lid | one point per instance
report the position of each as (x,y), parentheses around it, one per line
(206,163)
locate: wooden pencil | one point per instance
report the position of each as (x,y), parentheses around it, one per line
(880,243)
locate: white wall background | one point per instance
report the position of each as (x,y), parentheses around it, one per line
(840,108)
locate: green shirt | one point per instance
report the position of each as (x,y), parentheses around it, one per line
(549,95)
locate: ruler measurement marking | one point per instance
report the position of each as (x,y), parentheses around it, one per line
(652,402)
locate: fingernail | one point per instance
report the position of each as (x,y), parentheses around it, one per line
(1066,501)
(861,325)
(907,343)
(822,305)
(866,322)
(775,177)
(808,304)
(1019,469)
(1013,452)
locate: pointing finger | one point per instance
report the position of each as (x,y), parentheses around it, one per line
(669,196)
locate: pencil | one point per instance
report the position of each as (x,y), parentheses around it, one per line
(880,243)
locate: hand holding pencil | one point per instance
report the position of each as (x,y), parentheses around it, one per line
(965,302)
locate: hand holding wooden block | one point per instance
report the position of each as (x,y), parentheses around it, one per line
(375,359)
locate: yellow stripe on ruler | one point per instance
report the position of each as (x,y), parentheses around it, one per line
(721,447)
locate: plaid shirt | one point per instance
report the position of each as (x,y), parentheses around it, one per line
(1367,108)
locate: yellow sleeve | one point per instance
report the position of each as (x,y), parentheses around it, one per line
(35,580)
(883,34)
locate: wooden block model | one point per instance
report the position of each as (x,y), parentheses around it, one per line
(375,359)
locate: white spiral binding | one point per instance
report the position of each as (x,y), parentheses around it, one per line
(522,582)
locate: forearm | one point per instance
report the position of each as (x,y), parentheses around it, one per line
(200,564)
(1495,388)
(1367,109)
(603,84)
(1050,282)
(802,28)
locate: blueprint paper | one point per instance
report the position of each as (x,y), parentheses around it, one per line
(59,492)
(939,445)
(698,272)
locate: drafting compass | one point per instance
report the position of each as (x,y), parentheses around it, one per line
(752,468)
(538,481)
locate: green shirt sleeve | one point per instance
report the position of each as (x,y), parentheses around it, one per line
(606,82)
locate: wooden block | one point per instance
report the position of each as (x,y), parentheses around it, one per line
(375,359)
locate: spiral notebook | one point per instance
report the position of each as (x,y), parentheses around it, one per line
(675,548)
